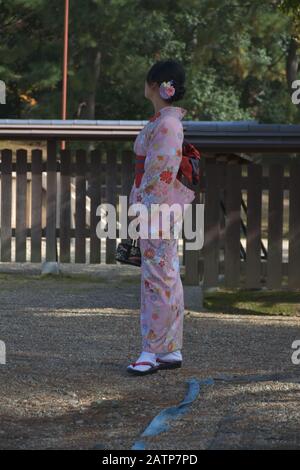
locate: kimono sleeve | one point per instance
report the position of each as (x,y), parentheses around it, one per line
(162,162)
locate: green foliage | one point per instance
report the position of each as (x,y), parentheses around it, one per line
(234,53)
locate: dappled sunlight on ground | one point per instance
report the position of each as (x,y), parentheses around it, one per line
(65,383)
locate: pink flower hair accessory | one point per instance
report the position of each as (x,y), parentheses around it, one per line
(166,89)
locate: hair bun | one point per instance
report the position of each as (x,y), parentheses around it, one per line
(166,71)
(179,93)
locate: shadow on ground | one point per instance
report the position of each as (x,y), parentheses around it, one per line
(65,383)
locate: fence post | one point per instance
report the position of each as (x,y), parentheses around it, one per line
(80,211)
(275,226)
(36,205)
(21,196)
(95,195)
(294,226)
(127,175)
(253,247)
(65,206)
(191,257)
(6,204)
(51,253)
(232,225)
(211,224)
(111,175)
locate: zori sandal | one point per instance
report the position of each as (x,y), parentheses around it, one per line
(168,364)
(153,368)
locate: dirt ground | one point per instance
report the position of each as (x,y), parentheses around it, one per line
(65,385)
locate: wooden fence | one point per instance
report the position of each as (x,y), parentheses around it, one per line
(255,265)
(234,253)
(106,178)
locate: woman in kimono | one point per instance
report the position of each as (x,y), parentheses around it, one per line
(158,149)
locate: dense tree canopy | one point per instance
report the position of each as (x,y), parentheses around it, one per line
(240,57)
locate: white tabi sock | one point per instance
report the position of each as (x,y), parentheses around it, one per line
(172,356)
(145,356)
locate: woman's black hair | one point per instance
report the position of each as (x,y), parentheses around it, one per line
(166,70)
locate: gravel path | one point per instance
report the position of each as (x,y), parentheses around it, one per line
(69,342)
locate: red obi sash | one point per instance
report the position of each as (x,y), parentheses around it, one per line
(189,171)
(139,169)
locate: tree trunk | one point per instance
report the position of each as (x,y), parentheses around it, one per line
(292,63)
(94,67)
(88,111)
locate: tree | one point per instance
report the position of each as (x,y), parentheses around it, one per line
(292,8)
(238,56)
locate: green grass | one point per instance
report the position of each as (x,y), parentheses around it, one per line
(247,302)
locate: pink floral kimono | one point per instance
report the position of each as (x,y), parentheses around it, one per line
(162,302)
